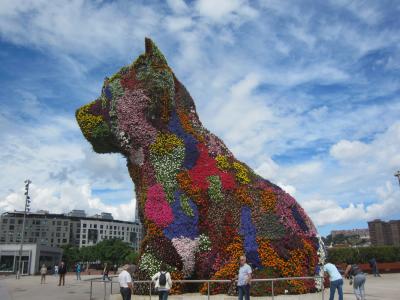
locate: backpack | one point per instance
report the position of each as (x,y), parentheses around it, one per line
(162,279)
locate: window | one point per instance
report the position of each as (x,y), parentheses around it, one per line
(58,222)
(58,229)
(84,225)
(5,221)
(101,226)
(20,221)
(64,241)
(54,223)
(101,231)
(12,221)
(11,227)
(95,226)
(90,226)
(65,223)
(83,242)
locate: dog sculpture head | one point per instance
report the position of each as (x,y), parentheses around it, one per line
(135,104)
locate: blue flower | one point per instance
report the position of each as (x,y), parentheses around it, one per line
(183,225)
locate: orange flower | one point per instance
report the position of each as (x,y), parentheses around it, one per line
(268,201)
(243,195)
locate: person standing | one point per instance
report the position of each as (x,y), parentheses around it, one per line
(125,283)
(355,274)
(43,272)
(163,282)
(244,279)
(335,279)
(55,270)
(62,270)
(374,266)
(106,270)
(78,271)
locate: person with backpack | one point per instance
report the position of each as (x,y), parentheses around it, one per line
(78,271)
(357,277)
(163,282)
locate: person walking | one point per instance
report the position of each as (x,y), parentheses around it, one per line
(55,270)
(62,270)
(358,278)
(374,266)
(78,271)
(163,282)
(243,279)
(335,279)
(106,270)
(125,283)
(43,272)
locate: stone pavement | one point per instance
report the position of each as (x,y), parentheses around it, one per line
(29,288)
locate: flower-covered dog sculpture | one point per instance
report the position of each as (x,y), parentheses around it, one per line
(201,208)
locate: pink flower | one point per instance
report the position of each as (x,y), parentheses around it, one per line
(157,208)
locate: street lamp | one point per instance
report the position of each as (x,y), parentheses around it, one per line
(397,174)
(27,209)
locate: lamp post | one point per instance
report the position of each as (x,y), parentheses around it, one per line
(27,209)
(397,174)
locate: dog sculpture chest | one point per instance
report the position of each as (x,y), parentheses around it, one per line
(200,207)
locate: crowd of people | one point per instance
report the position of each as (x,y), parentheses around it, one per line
(163,282)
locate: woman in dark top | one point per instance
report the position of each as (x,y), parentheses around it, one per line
(355,274)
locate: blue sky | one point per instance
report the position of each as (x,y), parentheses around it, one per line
(305,92)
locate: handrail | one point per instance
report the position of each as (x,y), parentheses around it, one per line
(208,281)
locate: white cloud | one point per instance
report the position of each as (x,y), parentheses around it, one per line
(347,150)
(66,197)
(325,212)
(178,6)
(224,10)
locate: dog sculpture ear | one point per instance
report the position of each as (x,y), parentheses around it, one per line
(154,53)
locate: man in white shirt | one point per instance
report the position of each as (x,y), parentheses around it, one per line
(125,283)
(243,279)
(335,279)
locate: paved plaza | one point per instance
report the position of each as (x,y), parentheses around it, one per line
(29,288)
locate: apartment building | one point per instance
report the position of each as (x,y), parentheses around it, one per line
(55,230)
(384,233)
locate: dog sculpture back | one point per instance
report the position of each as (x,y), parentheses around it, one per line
(201,208)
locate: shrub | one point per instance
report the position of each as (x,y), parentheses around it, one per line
(364,254)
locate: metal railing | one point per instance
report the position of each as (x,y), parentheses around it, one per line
(208,282)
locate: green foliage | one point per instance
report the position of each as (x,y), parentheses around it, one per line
(270,227)
(215,189)
(185,206)
(364,254)
(111,251)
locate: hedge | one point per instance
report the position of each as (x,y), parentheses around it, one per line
(364,254)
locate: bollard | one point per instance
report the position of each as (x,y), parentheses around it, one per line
(272,289)
(150,289)
(105,290)
(111,291)
(91,289)
(208,290)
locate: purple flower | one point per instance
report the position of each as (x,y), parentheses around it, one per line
(248,231)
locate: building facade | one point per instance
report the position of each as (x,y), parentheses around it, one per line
(32,258)
(384,233)
(75,228)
